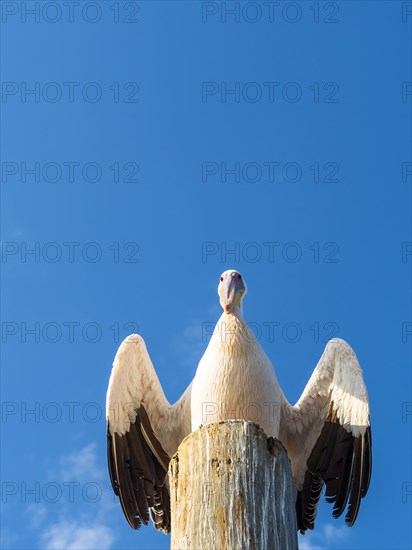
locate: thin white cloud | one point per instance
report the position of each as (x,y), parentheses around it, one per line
(7,538)
(306,545)
(335,532)
(323,537)
(79,525)
(36,514)
(75,535)
(80,466)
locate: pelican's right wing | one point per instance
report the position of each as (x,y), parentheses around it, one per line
(143,432)
(328,436)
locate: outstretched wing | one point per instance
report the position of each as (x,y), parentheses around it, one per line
(143,432)
(328,437)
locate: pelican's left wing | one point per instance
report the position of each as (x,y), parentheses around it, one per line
(328,437)
(143,432)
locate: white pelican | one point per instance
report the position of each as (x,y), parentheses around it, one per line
(327,433)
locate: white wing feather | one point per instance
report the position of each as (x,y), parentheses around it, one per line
(133,383)
(143,432)
(335,395)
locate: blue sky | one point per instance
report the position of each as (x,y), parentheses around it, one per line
(162,143)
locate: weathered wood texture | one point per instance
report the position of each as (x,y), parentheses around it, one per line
(231,489)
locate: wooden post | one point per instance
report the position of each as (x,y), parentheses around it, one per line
(231,488)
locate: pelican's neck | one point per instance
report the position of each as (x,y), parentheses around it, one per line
(237,312)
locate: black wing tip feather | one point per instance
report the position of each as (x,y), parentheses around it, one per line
(110,462)
(343,463)
(137,477)
(361,475)
(368,462)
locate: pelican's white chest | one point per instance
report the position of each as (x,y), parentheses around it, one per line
(235,380)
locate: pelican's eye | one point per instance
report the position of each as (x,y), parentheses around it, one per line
(221,278)
(239,276)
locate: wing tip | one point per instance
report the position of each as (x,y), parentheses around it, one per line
(346,472)
(129,463)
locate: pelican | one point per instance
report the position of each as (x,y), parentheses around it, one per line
(327,433)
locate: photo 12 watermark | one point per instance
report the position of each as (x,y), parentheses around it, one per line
(69,331)
(66,412)
(270,11)
(406,411)
(406,172)
(269,171)
(70,252)
(270,92)
(272,331)
(406,252)
(69,92)
(54,492)
(69,11)
(406,491)
(69,171)
(406,92)
(290,252)
(51,412)
(406,332)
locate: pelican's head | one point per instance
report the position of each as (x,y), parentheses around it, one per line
(231,290)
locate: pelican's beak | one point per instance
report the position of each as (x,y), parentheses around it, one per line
(232,292)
